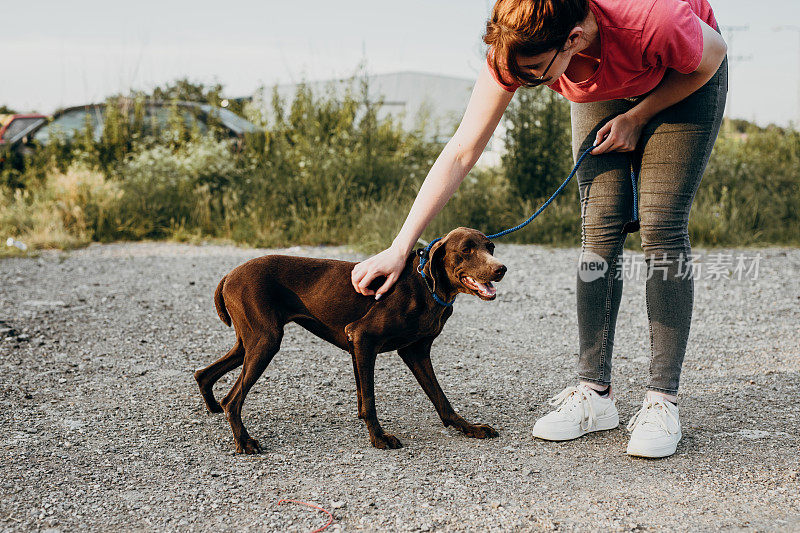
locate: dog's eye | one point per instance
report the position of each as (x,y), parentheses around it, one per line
(467,249)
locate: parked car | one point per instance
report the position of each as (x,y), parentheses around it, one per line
(13,127)
(68,122)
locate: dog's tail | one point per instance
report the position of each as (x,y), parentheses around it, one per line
(219,302)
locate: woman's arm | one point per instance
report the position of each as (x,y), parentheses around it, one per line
(484,111)
(622,133)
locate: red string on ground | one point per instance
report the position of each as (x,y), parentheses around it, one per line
(323,528)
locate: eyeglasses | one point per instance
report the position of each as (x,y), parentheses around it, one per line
(535,82)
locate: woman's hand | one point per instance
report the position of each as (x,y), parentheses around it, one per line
(621,134)
(389,263)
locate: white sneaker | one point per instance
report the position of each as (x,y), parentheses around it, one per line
(655,429)
(581,411)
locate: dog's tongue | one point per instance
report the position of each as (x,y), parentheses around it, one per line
(486,289)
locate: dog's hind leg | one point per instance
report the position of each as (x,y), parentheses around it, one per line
(256,358)
(417,357)
(206,377)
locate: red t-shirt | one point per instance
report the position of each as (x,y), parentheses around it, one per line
(639,40)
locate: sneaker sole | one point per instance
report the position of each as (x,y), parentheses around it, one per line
(603,424)
(653,453)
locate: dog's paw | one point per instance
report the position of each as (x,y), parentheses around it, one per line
(249,447)
(386,441)
(480,431)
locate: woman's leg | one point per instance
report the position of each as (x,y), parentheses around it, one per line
(606,199)
(675,147)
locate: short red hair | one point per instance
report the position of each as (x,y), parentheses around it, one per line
(529,28)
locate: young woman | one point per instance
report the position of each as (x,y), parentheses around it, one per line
(647,82)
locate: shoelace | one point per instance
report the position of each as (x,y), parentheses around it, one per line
(576,395)
(653,411)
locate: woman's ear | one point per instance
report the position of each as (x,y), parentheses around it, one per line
(574,38)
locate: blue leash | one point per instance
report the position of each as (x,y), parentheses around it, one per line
(629,227)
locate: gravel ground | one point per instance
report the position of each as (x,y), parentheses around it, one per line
(104,428)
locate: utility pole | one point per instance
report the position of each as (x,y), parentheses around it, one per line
(733,60)
(792,27)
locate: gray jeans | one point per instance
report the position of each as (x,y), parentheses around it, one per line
(670,158)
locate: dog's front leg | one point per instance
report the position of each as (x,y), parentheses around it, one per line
(364,355)
(355,372)
(417,357)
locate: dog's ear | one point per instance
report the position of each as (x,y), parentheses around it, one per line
(434,265)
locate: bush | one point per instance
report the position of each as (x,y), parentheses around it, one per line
(68,209)
(326,160)
(750,193)
(165,189)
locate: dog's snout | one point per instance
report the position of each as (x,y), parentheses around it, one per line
(500,271)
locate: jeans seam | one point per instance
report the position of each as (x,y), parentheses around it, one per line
(609,296)
(650,328)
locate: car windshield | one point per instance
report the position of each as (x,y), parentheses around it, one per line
(157,119)
(18,125)
(70,123)
(231,120)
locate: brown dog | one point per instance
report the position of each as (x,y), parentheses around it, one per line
(261,296)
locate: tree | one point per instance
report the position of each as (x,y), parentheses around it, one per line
(187,91)
(539,154)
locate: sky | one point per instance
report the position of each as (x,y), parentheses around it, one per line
(58,53)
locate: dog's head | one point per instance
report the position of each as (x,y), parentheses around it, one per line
(463,261)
